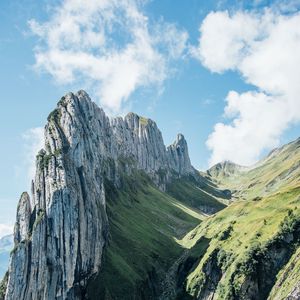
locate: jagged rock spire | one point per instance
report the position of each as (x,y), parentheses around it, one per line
(23,226)
(179,156)
(61,232)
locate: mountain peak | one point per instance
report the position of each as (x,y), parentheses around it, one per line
(66,217)
(225,168)
(179,155)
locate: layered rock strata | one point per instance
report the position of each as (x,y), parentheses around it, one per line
(61,230)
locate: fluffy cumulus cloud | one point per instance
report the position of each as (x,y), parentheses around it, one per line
(33,143)
(109,45)
(265,49)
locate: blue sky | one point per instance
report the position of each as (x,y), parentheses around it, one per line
(182,86)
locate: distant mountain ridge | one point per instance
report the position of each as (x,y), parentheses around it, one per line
(225,169)
(280,168)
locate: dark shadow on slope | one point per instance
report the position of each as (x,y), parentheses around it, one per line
(190,192)
(143,222)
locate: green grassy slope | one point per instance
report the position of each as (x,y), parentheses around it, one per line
(144,224)
(254,245)
(281,168)
(204,198)
(243,237)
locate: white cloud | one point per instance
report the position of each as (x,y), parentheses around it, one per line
(224,40)
(5,229)
(109,45)
(33,143)
(265,50)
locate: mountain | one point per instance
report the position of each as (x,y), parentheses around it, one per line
(280,169)
(225,169)
(6,245)
(115,214)
(103,207)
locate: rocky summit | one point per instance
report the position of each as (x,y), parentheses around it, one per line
(115,214)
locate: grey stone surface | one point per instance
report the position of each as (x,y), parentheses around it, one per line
(61,230)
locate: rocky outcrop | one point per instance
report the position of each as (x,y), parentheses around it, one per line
(178,155)
(140,140)
(61,230)
(22,226)
(295,293)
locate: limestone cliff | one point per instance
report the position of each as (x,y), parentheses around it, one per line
(61,230)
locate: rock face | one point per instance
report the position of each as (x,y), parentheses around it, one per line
(22,225)
(295,293)
(179,156)
(61,230)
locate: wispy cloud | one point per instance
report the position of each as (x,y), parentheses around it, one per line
(265,49)
(110,45)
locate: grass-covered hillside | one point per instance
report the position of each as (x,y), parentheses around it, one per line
(230,233)
(253,248)
(144,224)
(204,195)
(281,168)
(250,242)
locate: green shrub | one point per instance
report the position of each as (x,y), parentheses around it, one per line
(54,115)
(62,102)
(224,235)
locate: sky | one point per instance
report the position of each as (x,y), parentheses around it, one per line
(224,73)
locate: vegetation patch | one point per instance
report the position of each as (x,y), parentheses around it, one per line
(252,249)
(144,225)
(62,102)
(144,121)
(54,116)
(43,159)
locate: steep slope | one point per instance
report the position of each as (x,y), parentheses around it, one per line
(144,224)
(287,285)
(253,244)
(86,194)
(225,170)
(280,168)
(201,195)
(250,242)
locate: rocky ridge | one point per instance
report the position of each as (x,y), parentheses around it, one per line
(62,228)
